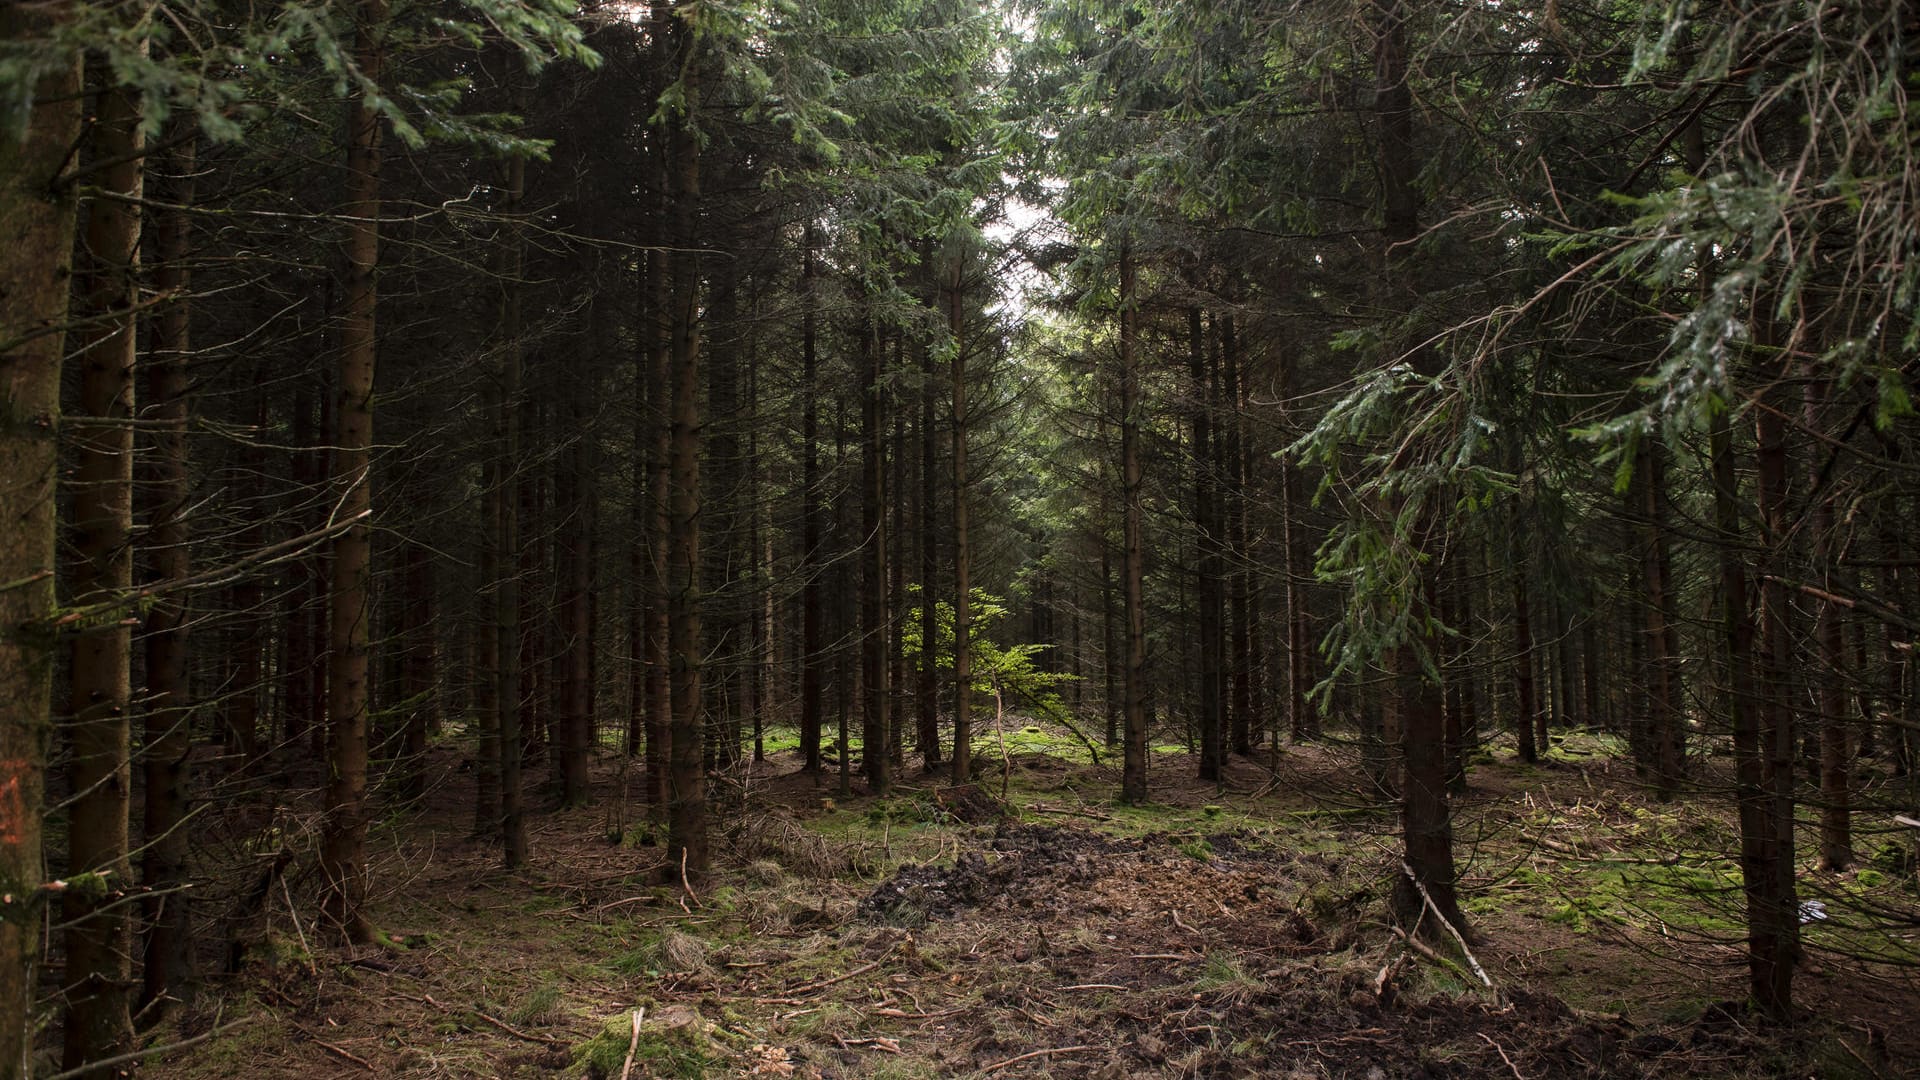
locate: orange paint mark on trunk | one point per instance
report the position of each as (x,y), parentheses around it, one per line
(13,804)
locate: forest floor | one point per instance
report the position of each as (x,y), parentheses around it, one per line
(1236,930)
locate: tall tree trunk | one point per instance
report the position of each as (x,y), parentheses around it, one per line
(1454,665)
(873,563)
(1207,553)
(503,497)
(36,246)
(1665,742)
(1302,721)
(1774,929)
(1245,720)
(1133,776)
(1109,643)
(344,835)
(1426,829)
(929,695)
(417,668)
(303,682)
(98,1024)
(962,549)
(1836,817)
(1523,725)
(723,564)
(575,498)
(659,662)
(167,960)
(812,598)
(687,796)
(896,461)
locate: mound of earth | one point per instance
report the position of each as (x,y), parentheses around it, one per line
(1020,862)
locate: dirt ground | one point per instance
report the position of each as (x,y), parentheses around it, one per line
(1226,931)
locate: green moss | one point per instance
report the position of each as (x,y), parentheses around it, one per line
(680,1051)
(88,888)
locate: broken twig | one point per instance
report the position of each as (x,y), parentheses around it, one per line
(1029,1056)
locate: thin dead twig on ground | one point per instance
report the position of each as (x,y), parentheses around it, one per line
(633,1044)
(1030,1055)
(331,1048)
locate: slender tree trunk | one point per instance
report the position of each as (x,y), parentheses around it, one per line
(873,564)
(659,662)
(344,835)
(576,542)
(1244,662)
(811,512)
(36,245)
(1109,648)
(929,696)
(417,664)
(1774,929)
(897,540)
(1523,725)
(962,550)
(1207,554)
(167,960)
(1665,743)
(687,797)
(1302,722)
(1453,665)
(98,1023)
(1836,818)
(503,494)
(1133,783)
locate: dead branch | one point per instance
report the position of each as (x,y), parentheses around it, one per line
(1029,1056)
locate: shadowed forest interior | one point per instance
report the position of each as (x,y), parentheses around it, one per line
(908,538)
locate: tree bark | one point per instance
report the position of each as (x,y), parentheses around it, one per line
(1666,746)
(929,695)
(167,959)
(1133,782)
(812,599)
(686,797)
(1208,712)
(343,840)
(1829,635)
(98,1024)
(1767,780)
(962,550)
(1523,686)
(873,564)
(36,246)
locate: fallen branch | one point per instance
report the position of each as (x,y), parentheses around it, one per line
(683,881)
(324,1044)
(1427,951)
(501,1024)
(122,1059)
(1029,1056)
(878,1041)
(1043,808)
(861,970)
(1096,986)
(633,1044)
(1457,937)
(647,899)
(504,1026)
